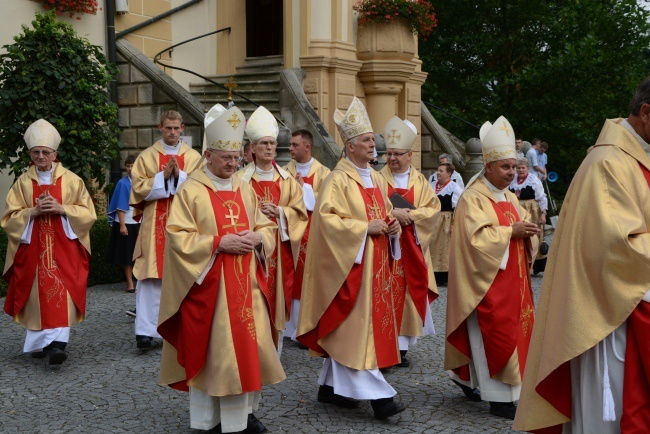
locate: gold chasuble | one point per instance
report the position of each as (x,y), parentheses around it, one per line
(47,277)
(412,293)
(219,337)
(284,191)
(150,245)
(315,177)
(503,299)
(346,308)
(595,278)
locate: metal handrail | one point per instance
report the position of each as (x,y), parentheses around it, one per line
(451,114)
(156,59)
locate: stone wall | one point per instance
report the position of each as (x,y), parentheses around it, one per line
(144,92)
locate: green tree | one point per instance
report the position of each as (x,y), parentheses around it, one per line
(555,69)
(52,73)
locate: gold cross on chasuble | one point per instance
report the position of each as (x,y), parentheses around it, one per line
(231,215)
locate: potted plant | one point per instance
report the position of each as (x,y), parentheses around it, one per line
(74,7)
(418,14)
(387,28)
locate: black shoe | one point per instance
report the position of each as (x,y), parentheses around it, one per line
(405,363)
(505,410)
(471,394)
(130,290)
(56,356)
(302,346)
(131,313)
(143,342)
(254,426)
(386,407)
(39,354)
(326,394)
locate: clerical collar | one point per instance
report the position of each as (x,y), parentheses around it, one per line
(402,179)
(173,150)
(361,170)
(499,194)
(45,176)
(306,165)
(644,144)
(219,183)
(262,171)
(364,173)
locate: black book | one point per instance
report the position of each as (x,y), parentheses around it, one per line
(398,201)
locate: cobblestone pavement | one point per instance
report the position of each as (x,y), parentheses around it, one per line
(107,385)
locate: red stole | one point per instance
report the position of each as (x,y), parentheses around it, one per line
(162,212)
(506,321)
(189,329)
(300,268)
(269,191)
(409,273)
(383,318)
(59,264)
(556,387)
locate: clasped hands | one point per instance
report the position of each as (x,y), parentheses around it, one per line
(403,216)
(524,230)
(171,168)
(47,204)
(380,227)
(270,210)
(240,243)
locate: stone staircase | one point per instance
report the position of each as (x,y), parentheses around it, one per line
(259,81)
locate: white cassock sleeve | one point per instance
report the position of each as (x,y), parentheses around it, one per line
(159,191)
(283,226)
(504,260)
(308,197)
(361,249)
(26,237)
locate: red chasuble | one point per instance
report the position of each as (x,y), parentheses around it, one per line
(189,329)
(269,191)
(384,328)
(409,272)
(556,388)
(506,321)
(59,264)
(300,268)
(162,212)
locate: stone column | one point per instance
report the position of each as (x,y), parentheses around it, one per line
(475,163)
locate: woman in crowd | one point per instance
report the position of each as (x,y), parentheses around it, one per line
(532,198)
(448,192)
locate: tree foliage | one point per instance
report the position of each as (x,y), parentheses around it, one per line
(555,69)
(51,73)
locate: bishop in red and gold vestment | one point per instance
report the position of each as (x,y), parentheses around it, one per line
(281,200)
(490,310)
(347,313)
(589,360)
(220,343)
(415,206)
(47,218)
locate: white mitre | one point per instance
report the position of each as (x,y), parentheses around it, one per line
(210,116)
(354,122)
(225,133)
(42,133)
(399,134)
(262,124)
(498,141)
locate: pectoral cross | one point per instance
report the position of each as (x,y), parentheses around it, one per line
(375,209)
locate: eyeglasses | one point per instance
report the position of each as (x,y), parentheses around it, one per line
(395,154)
(43,153)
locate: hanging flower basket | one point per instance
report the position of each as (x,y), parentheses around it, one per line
(73,7)
(418,14)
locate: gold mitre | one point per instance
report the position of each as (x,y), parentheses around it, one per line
(226,132)
(42,133)
(399,134)
(498,140)
(261,124)
(354,122)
